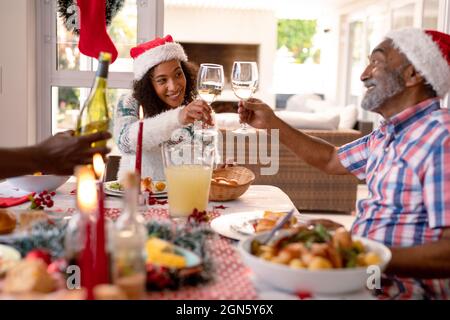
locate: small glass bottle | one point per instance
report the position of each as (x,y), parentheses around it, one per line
(130,235)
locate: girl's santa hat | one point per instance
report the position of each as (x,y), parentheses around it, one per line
(151,53)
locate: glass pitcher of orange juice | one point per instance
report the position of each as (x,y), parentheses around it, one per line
(188,166)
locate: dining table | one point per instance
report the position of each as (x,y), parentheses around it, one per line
(232,278)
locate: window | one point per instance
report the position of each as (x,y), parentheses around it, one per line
(403,17)
(66,75)
(430,14)
(358,59)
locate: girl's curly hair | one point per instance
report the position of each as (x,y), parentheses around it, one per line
(145,94)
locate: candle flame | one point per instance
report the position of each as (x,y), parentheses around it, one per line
(99,166)
(86,190)
(141,113)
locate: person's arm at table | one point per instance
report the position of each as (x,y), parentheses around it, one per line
(431,260)
(58,154)
(314,151)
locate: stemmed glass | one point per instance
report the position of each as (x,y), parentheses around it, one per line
(244,81)
(210,82)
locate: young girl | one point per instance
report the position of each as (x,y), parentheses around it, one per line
(164,84)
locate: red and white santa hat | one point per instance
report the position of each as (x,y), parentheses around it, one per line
(429,52)
(151,53)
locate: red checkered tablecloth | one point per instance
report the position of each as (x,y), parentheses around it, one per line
(231,279)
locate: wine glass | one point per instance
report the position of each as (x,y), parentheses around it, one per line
(210,82)
(244,81)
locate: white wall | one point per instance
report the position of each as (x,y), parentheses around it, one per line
(329,55)
(17,63)
(225,25)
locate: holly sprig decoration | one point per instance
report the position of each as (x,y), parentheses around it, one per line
(41,200)
(198,216)
(46,235)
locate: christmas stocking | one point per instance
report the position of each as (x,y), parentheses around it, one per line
(93,35)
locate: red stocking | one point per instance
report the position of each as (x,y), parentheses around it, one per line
(93,35)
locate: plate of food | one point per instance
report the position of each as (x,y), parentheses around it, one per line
(157,187)
(241,225)
(164,253)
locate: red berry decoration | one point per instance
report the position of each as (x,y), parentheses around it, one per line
(158,277)
(42,200)
(198,216)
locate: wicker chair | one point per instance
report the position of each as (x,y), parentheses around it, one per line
(308,188)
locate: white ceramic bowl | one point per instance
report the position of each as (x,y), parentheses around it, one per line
(331,281)
(32,183)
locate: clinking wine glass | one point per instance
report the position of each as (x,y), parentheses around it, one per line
(210,82)
(244,81)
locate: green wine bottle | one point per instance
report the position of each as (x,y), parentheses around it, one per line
(94,116)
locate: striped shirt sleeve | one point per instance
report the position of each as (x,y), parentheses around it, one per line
(436,185)
(125,115)
(353,155)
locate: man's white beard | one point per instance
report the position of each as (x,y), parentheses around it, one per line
(384,89)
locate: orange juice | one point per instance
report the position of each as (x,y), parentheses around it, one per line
(188,188)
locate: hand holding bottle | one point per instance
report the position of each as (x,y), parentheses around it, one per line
(60,153)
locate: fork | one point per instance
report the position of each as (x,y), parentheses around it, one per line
(278,226)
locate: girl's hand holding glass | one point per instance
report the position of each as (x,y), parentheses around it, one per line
(197,110)
(210,82)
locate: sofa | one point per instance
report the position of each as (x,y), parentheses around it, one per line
(308,188)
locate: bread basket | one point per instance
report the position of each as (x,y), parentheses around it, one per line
(223,192)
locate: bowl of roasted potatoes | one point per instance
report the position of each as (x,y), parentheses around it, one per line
(312,259)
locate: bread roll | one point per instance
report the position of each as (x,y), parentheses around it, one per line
(30,217)
(29,276)
(7,221)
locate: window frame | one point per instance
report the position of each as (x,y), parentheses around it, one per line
(150,22)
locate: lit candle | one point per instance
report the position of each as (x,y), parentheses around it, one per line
(87,204)
(86,190)
(139,143)
(100,257)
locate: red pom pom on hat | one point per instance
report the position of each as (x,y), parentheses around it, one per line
(149,54)
(442,40)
